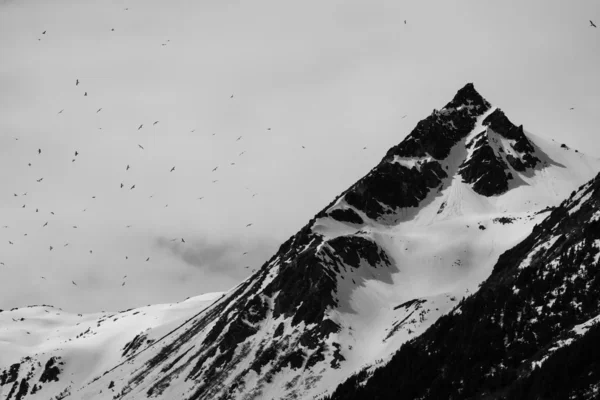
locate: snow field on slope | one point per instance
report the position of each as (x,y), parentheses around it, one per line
(53,332)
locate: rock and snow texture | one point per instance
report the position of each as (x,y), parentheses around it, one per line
(371,271)
(530,331)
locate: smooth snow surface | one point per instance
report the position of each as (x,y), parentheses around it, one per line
(87,344)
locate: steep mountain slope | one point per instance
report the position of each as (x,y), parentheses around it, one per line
(530,331)
(373,269)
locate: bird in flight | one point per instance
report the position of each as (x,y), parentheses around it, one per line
(45,224)
(39,151)
(66,244)
(155,122)
(76,153)
(85,94)
(73,282)
(10,242)
(248,225)
(51,248)
(571,108)
(100,109)
(215,181)
(403,117)
(39,180)
(121,185)
(592,24)
(238,139)
(215,168)
(231,97)
(140,146)
(76,82)
(123,284)
(60,112)
(172,169)
(268,129)
(75,226)
(133,187)
(148,259)
(140,127)
(182,241)
(127,169)
(43,33)
(200,198)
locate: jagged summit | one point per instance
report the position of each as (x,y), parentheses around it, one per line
(436,134)
(467,96)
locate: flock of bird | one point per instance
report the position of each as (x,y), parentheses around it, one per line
(40,153)
(122,185)
(76,154)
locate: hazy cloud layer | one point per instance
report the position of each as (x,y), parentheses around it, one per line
(224,257)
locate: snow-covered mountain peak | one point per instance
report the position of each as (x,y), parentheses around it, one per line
(373,269)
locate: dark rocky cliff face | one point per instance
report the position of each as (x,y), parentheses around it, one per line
(500,124)
(485,170)
(515,337)
(489,168)
(391,185)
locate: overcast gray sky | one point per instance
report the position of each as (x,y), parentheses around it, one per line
(331,76)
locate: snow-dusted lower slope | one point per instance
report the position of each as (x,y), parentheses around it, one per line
(373,269)
(51,351)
